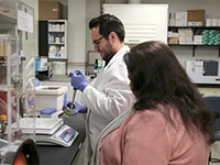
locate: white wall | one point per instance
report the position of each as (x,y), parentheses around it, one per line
(76,34)
(79,42)
(93,10)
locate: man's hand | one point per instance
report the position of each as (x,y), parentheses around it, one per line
(78,80)
(79,108)
(73,108)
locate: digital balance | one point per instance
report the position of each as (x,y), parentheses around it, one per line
(49,131)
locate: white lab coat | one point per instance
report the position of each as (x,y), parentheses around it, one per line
(107,97)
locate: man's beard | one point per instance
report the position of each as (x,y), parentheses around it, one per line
(108,52)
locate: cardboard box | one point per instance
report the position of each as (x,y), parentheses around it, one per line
(50,10)
(3,48)
(196,16)
(181,18)
(173,40)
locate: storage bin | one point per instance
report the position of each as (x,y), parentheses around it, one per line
(59,68)
(50,97)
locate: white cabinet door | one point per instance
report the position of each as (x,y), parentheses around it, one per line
(142,22)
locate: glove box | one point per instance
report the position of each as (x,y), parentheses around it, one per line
(50,97)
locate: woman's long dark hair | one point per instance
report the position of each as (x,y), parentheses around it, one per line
(157,77)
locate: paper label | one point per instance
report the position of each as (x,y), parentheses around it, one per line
(25,21)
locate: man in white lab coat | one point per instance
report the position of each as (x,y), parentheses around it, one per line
(109,94)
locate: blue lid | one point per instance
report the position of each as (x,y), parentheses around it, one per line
(48,111)
(37,83)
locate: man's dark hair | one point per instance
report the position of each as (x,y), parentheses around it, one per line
(108,23)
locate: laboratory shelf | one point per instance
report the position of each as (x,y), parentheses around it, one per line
(194,46)
(56,43)
(194,27)
(57,58)
(6,18)
(196,30)
(53,31)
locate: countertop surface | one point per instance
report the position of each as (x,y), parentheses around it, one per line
(60,78)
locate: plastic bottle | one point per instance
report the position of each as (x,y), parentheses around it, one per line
(62,51)
(3,125)
(63,39)
(99,66)
(96,66)
(62,27)
(52,50)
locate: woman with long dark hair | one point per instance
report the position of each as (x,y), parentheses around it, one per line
(170,124)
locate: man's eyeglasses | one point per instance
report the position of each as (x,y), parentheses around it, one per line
(97,42)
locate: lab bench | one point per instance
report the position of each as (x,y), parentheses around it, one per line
(58,155)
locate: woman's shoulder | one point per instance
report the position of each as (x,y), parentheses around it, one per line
(146,118)
(148,115)
(163,116)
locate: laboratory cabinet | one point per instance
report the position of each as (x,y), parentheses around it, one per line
(53,44)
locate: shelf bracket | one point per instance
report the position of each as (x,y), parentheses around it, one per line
(193,53)
(219,51)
